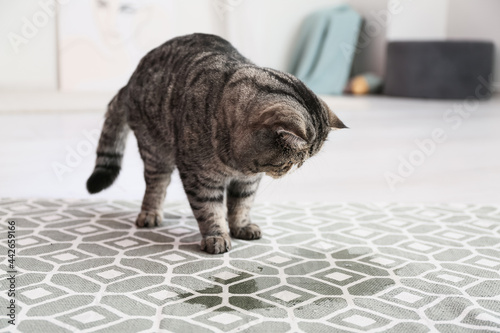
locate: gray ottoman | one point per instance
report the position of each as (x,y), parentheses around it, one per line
(439,69)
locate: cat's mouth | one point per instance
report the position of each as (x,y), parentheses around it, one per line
(275,175)
(282,170)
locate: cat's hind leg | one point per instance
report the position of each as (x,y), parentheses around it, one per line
(240,195)
(157,174)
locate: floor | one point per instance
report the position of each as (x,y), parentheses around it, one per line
(83,266)
(47,150)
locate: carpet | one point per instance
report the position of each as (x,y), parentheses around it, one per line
(83,266)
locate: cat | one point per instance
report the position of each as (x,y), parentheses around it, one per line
(197,104)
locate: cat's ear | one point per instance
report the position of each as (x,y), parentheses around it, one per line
(291,139)
(333,120)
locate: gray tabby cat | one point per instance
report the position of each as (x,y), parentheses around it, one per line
(197,104)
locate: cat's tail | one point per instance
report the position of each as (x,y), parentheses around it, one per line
(111,147)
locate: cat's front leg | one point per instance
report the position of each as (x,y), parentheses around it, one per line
(240,195)
(206,197)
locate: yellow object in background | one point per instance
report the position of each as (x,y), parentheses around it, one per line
(364,84)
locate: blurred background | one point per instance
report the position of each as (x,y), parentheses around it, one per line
(415,80)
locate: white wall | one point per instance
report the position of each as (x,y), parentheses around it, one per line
(198,16)
(418,20)
(32,63)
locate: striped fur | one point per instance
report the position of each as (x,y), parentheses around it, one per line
(195,103)
(110,148)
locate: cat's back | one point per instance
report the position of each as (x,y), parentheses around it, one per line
(202,43)
(190,52)
(181,62)
(178,76)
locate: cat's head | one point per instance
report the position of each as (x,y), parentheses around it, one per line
(284,133)
(288,136)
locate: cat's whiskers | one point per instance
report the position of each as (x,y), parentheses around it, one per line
(294,168)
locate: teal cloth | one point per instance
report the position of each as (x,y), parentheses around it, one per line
(325,49)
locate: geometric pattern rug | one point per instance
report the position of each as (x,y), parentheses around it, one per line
(83,266)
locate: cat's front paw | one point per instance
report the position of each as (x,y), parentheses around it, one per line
(216,244)
(149,219)
(250,231)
